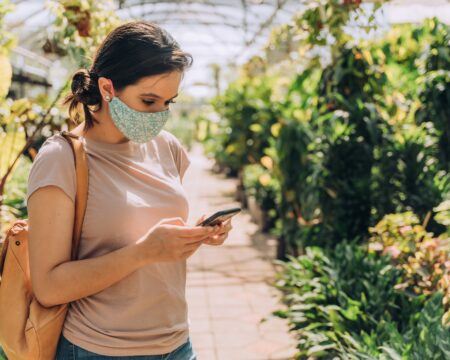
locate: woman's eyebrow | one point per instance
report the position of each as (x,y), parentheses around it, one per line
(157,96)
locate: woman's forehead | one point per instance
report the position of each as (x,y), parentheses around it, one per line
(161,85)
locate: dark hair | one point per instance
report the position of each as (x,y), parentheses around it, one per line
(129,52)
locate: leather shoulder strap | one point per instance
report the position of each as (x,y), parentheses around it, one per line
(82,174)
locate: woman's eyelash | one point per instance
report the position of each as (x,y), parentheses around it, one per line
(151,102)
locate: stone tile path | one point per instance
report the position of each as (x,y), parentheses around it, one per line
(228,287)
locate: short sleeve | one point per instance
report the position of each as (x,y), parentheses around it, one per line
(181,155)
(53,165)
(183,161)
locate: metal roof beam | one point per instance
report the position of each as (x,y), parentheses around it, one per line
(228,4)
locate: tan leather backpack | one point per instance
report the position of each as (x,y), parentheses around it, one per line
(28,330)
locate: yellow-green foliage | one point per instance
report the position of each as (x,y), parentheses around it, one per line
(423,257)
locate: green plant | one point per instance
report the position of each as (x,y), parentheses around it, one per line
(14,205)
(426,337)
(344,304)
(435,98)
(247,117)
(423,257)
(79,27)
(259,182)
(338,301)
(348,125)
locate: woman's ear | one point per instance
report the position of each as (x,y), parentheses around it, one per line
(106,87)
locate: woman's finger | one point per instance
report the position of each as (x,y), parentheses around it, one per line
(194,246)
(216,240)
(191,247)
(224,228)
(192,240)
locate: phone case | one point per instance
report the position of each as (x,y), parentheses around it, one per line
(220,216)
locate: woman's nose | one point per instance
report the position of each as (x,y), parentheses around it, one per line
(162,108)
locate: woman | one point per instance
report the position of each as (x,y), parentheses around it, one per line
(127,288)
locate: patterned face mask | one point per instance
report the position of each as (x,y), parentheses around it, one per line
(137,126)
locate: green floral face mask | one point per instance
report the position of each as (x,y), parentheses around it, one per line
(136,125)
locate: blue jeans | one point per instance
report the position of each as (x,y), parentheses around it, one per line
(69,351)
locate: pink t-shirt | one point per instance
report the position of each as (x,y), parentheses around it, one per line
(131,187)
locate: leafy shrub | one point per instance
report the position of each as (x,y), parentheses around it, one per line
(247,114)
(343,304)
(426,337)
(260,183)
(423,257)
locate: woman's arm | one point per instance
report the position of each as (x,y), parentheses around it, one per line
(55,278)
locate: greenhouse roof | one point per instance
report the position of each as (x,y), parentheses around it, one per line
(213,31)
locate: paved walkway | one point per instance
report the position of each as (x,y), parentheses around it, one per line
(228,291)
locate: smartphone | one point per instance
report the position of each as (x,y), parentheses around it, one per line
(220,216)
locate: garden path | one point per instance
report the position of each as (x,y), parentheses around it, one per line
(228,287)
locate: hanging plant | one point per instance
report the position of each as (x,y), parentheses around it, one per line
(352,2)
(79,18)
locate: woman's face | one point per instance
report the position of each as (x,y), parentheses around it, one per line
(150,94)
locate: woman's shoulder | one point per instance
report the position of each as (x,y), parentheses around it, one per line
(55,146)
(53,165)
(173,142)
(167,135)
(179,153)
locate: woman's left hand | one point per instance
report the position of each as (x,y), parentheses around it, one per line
(222,233)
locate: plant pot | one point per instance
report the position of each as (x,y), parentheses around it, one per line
(240,196)
(216,168)
(240,191)
(266,221)
(81,19)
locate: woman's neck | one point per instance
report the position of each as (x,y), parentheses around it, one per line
(105,131)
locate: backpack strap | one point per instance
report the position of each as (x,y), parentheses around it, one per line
(82,174)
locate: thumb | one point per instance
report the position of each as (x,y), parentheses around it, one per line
(201,219)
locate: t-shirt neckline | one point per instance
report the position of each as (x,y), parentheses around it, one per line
(125,146)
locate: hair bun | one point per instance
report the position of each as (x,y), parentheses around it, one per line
(85,87)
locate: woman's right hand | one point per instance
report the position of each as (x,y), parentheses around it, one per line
(171,240)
